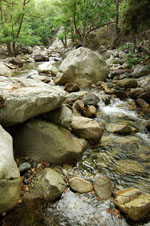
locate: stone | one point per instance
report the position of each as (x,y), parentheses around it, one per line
(134,203)
(80,185)
(103,187)
(148,126)
(62,116)
(40,58)
(140,71)
(127,83)
(43,140)
(48,68)
(4,70)
(10,180)
(87,128)
(123,129)
(78,107)
(82,67)
(129,167)
(142,103)
(50,185)
(90,99)
(24,167)
(16,61)
(89,111)
(71,87)
(25,98)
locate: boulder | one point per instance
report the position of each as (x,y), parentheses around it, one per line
(40,58)
(10,180)
(78,107)
(4,70)
(140,71)
(89,111)
(16,61)
(87,128)
(42,140)
(123,129)
(103,187)
(47,67)
(80,185)
(25,98)
(62,116)
(49,184)
(129,167)
(83,67)
(127,83)
(90,99)
(134,203)
(71,87)
(142,103)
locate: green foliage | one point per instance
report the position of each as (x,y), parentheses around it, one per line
(131,60)
(136,15)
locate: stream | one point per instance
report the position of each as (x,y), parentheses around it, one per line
(107,158)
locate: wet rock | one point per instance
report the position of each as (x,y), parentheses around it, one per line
(10,180)
(134,203)
(26,98)
(123,129)
(40,58)
(78,107)
(127,83)
(24,167)
(71,87)
(55,144)
(80,185)
(145,95)
(82,67)
(148,126)
(142,103)
(62,116)
(129,167)
(87,128)
(134,93)
(89,111)
(16,61)
(140,71)
(4,70)
(50,185)
(103,187)
(120,95)
(90,99)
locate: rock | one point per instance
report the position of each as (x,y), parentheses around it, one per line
(140,71)
(47,67)
(62,116)
(26,98)
(129,167)
(10,180)
(71,87)
(142,103)
(103,187)
(134,203)
(87,128)
(50,185)
(55,144)
(4,70)
(80,185)
(24,167)
(82,67)
(148,126)
(90,99)
(40,58)
(78,107)
(127,83)
(89,111)
(16,61)
(123,129)
(145,95)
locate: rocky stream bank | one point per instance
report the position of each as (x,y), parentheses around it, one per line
(74,139)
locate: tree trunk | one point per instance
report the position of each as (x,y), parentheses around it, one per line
(117,30)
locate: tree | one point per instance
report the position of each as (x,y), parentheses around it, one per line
(12,16)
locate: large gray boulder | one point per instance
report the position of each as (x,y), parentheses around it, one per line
(4,70)
(25,98)
(10,180)
(42,140)
(83,67)
(140,71)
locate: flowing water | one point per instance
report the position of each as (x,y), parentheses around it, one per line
(84,209)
